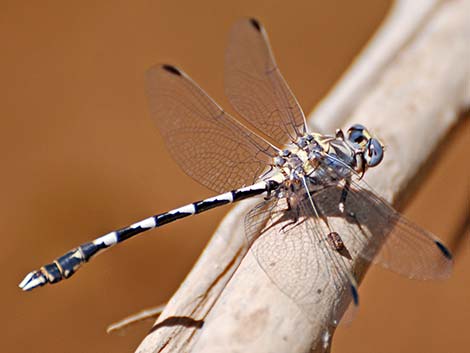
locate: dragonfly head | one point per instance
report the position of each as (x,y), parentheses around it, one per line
(371,149)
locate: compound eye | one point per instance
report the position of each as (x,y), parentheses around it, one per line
(374,152)
(358,134)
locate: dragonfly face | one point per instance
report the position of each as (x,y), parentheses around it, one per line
(370,148)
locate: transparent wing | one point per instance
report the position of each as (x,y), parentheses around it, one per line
(397,243)
(291,247)
(255,86)
(210,145)
(392,240)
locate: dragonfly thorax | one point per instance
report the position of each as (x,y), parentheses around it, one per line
(319,157)
(297,160)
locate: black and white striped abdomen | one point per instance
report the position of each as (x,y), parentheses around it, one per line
(65,266)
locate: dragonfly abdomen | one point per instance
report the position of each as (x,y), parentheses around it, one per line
(66,265)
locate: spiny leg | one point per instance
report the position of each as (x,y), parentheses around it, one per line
(295,215)
(344,195)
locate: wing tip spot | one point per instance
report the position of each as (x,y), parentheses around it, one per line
(171,69)
(446,252)
(355,294)
(255,23)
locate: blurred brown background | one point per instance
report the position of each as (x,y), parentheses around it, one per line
(81,157)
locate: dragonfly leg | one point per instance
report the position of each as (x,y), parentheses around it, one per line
(294,211)
(344,195)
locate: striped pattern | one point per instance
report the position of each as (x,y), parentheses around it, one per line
(66,265)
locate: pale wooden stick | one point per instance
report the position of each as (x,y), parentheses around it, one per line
(399,27)
(412,105)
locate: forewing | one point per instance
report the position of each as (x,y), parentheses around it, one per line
(255,86)
(208,144)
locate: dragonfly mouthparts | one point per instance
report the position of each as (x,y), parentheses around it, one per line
(32,280)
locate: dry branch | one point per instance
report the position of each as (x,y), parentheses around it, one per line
(410,98)
(399,28)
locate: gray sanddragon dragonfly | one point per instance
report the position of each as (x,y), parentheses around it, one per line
(305,184)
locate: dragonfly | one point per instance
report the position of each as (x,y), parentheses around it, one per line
(306,178)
